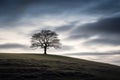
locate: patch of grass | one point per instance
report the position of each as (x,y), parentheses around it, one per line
(53,67)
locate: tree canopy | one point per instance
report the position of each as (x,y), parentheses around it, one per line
(45,39)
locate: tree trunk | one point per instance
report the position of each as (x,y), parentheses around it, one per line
(45,50)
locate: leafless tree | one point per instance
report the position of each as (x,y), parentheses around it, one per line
(45,39)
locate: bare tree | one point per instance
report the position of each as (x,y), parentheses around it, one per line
(45,39)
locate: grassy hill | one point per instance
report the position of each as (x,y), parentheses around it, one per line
(52,67)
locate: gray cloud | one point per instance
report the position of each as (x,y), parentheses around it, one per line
(12,46)
(92,54)
(66,47)
(12,11)
(66,27)
(104,41)
(107,30)
(105,7)
(108,25)
(75,36)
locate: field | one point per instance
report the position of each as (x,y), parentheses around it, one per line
(53,67)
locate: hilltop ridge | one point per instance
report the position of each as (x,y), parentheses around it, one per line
(53,67)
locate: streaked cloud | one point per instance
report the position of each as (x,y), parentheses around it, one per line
(107,30)
(12,46)
(93,53)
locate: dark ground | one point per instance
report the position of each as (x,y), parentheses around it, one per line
(51,67)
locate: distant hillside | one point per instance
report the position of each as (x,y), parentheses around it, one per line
(52,67)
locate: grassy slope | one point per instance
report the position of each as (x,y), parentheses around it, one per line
(52,67)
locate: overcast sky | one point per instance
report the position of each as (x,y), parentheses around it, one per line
(88,29)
